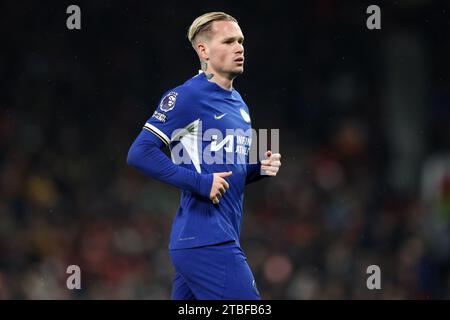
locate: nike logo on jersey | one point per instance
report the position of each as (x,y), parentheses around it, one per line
(219,117)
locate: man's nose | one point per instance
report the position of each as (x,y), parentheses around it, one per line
(240,48)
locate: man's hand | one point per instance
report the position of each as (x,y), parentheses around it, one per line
(271,165)
(219,186)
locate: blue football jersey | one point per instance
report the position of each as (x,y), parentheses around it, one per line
(208,129)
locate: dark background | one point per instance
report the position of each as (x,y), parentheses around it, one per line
(364,133)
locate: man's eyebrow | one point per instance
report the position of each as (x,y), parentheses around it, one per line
(233,38)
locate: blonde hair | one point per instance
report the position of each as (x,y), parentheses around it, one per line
(203,24)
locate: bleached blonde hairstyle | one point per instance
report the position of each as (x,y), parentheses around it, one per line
(202,25)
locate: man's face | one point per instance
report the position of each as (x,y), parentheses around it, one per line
(225,48)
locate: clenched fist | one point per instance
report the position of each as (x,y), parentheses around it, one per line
(271,165)
(219,186)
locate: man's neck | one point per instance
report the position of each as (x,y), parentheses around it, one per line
(220,80)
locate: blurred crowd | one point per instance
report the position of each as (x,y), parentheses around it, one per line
(72,103)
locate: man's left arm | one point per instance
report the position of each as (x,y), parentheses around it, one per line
(266,168)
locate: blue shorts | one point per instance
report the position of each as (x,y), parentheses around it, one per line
(217,272)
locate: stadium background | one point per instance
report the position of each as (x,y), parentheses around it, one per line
(363,117)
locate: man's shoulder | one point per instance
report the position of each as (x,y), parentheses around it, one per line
(237,94)
(183,96)
(191,87)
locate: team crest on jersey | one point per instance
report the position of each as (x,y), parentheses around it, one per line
(168,102)
(245,115)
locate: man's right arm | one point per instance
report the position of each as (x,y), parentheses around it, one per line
(174,112)
(146,156)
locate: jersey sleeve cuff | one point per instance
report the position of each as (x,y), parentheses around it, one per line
(205,182)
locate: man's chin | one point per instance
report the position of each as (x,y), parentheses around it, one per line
(238,71)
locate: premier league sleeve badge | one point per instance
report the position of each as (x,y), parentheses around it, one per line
(168,102)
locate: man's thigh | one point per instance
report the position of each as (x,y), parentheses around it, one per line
(180,289)
(216,272)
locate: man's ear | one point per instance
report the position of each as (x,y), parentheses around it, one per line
(202,51)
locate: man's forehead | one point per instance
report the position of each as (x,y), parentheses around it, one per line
(226,29)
